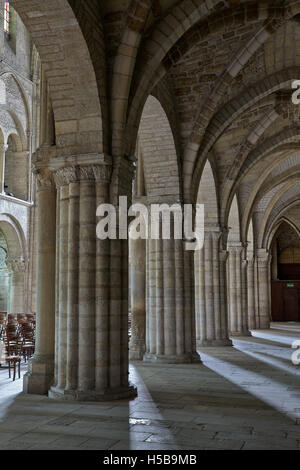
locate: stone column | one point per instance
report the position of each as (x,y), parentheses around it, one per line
(251,293)
(137,251)
(3,149)
(238,315)
(171,307)
(92,317)
(17,269)
(41,367)
(211,298)
(263,261)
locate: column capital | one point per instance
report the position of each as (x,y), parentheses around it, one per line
(3,148)
(76,173)
(40,166)
(58,162)
(16,265)
(69,169)
(251,261)
(212,231)
(263,257)
(236,247)
(44,178)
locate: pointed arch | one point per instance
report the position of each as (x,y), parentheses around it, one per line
(65,54)
(207,195)
(160,160)
(234,234)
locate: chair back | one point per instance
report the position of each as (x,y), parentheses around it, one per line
(13,341)
(12,319)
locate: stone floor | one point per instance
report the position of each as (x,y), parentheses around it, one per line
(246,397)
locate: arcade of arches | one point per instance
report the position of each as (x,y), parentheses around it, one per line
(161,101)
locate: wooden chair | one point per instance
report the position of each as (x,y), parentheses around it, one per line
(12,319)
(13,346)
(31,318)
(14,362)
(21,318)
(27,333)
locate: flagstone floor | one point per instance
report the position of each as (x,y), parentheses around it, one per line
(245,397)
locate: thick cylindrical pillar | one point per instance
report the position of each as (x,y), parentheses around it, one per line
(17,285)
(263,267)
(210,276)
(171,306)
(40,372)
(251,294)
(137,264)
(92,319)
(238,310)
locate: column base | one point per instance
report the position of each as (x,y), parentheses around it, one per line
(214,343)
(136,351)
(234,334)
(39,377)
(264,324)
(129,393)
(164,359)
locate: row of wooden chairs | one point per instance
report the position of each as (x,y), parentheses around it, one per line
(19,341)
(18,318)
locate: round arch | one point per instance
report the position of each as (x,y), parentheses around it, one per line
(65,54)
(14,236)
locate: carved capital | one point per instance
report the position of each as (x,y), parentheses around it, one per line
(263,258)
(3,148)
(44,179)
(16,265)
(77,173)
(65,176)
(102,173)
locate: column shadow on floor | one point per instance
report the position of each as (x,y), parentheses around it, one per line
(275,381)
(223,403)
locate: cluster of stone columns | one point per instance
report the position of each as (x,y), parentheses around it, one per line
(237,291)
(170,314)
(252,320)
(82,349)
(210,292)
(137,346)
(263,281)
(90,357)
(227,286)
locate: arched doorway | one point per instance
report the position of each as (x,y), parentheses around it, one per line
(285,282)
